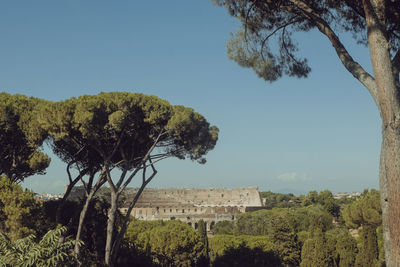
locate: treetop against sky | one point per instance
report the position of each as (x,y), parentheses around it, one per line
(295,135)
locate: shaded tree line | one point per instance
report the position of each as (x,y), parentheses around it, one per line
(302,236)
(310,234)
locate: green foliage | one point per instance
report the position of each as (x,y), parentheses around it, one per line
(202,230)
(298,219)
(265,42)
(223,228)
(27,252)
(21,137)
(285,242)
(221,243)
(315,251)
(93,232)
(17,210)
(126,131)
(318,217)
(365,211)
(89,128)
(279,200)
(365,214)
(245,256)
(311,198)
(369,253)
(252,223)
(336,247)
(170,243)
(325,199)
(345,250)
(381,258)
(302,236)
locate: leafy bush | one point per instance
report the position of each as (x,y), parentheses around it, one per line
(47,252)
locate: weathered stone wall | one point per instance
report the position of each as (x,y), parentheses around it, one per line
(193,205)
(189,205)
(199,197)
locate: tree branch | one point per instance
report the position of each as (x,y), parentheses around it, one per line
(154,171)
(285,46)
(108,175)
(246,18)
(122,177)
(117,145)
(348,62)
(68,171)
(145,158)
(126,219)
(159,159)
(283,26)
(144,174)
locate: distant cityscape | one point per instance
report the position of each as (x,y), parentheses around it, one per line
(49,196)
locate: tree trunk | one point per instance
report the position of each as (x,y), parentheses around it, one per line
(388,102)
(390,193)
(125,221)
(81,223)
(110,228)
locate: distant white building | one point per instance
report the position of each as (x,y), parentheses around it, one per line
(346,195)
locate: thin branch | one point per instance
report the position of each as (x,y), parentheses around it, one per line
(154,171)
(144,174)
(108,175)
(122,188)
(118,163)
(151,164)
(285,46)
(88,185)
(85,185)
(159,155)
(245,19)
(68,171)
(274,31)
(145,158)
(122,177)
(100,181)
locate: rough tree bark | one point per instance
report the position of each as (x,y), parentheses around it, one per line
(389,106)
(111,227)
(384,89)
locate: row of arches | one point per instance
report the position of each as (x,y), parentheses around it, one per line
(209,225)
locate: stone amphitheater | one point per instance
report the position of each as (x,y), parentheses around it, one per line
(192,205)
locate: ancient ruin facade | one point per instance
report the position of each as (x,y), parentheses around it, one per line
(192,205)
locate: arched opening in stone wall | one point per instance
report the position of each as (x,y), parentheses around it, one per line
(190,224)
(196,225)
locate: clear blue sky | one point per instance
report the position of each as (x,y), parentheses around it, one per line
(294,135)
